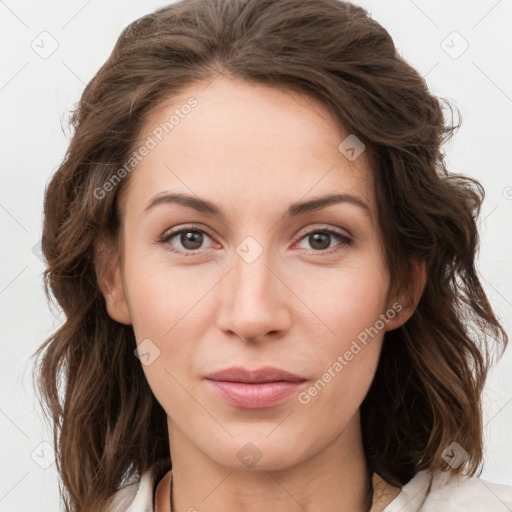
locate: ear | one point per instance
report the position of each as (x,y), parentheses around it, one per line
(407,300)
(107,263)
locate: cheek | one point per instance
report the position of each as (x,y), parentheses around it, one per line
(345,362)
(347,345)
(168,320)
(331,402)
(346,300)
(162,298)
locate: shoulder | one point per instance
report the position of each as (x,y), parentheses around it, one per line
(468,494)
(136,496)
(427,492)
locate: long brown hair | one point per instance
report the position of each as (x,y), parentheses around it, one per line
(426,393)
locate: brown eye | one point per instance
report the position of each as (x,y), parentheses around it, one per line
(185,240)
(320,241)
(191,240)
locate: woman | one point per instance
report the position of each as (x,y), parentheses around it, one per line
(268,274)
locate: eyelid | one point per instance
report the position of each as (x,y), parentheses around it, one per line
(171,233)
(324,227)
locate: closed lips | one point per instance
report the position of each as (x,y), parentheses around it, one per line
(258,376)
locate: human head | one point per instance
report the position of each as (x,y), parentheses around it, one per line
(335,54)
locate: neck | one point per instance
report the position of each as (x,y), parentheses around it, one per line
(335,478)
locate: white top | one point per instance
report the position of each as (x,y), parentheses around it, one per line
(421,494)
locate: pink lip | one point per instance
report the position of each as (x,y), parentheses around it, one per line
(256,389)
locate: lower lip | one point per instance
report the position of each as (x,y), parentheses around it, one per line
(254,396)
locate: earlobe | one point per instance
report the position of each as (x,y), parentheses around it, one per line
(408,300)
(108,271)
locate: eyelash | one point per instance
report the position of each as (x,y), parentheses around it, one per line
(345,240)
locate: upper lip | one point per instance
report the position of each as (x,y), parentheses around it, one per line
(265,374)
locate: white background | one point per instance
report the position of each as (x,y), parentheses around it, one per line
(36,95)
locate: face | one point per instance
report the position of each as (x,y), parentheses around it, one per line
(250,279)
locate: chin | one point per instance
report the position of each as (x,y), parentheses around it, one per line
(259,453)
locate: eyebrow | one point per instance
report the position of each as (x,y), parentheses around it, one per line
(294,210)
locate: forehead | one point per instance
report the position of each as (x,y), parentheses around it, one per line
(240,139)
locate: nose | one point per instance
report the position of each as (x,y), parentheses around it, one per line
(254,300)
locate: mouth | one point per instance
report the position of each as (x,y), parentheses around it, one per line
(256,389)
(259,376)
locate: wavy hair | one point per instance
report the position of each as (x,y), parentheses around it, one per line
(107,425)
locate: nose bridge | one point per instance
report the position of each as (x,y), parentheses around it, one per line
(251,274)
(251,296)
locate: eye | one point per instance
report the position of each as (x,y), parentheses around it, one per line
(320,240)
(190,238)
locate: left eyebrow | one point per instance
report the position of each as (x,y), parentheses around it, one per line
(294,210)
(299,208)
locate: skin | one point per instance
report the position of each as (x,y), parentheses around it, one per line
(253,150)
